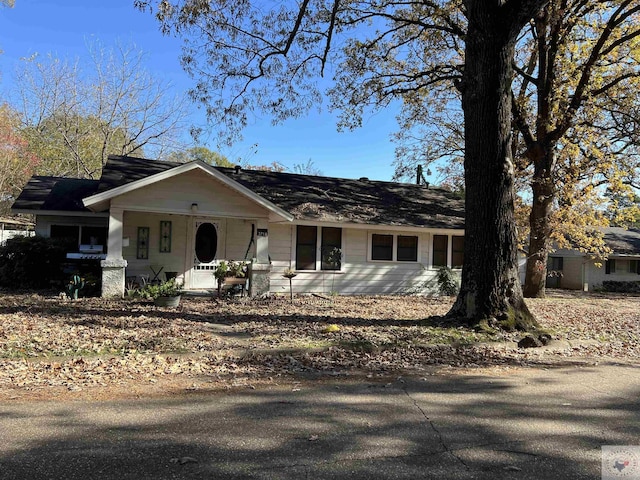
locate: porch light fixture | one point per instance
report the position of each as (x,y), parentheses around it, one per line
(194,207)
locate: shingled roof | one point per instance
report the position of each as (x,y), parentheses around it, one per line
(316,198)
(55,194)
(623,241)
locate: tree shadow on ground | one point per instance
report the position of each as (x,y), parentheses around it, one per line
(542,424)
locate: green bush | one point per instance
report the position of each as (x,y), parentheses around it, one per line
(621,287)
(170,288)
(447,282)
(33,263)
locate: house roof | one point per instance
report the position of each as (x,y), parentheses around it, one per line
(305,197)
(55,194)
(623,241)
(328,199)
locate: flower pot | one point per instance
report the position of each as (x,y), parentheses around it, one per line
(167,301)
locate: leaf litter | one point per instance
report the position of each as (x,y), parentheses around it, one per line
(48,342)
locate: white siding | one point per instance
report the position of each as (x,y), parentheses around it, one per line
(177,194)
(238,238)
(173,261)
(598,275)
(572,273)
(359,275)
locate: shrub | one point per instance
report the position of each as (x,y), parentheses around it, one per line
(447,282)
(33,263)
(170,288)
(621,287)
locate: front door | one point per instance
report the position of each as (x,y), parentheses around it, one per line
(207,243)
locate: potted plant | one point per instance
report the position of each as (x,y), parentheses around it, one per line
(165,294)
(230,273)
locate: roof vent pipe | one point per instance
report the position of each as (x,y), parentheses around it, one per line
(237,168)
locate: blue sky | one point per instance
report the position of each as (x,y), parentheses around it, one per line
(64,27)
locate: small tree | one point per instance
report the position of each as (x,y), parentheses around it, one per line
(447,282)
(333,260)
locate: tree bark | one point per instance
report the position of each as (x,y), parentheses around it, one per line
(490,290)
(539,224)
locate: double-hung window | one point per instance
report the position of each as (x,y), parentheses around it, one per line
(309,256)
(407,249)
(331,248)
(440,251)
(388,247)
(610,267)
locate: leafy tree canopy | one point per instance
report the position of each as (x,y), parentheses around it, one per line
(17,163)
(200,153)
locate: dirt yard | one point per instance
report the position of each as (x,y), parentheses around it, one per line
(51,347)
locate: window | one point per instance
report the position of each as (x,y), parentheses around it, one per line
(71,232)
(457,251)
(308,255)
(142,247)
(80,235)
(407,250)
(440,247)
(165,236)
(331,248)
(387,247)
(555,264)
(634,266)
(306,242)
(381,247)
(206,242)
(94,236)
(610,267)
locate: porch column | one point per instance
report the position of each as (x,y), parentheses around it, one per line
(113,267)
(260,267)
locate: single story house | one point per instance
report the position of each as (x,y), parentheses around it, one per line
(578,271)
(146,216)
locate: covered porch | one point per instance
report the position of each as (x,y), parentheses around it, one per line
(158,246)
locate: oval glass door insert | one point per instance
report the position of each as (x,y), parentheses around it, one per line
(206,243)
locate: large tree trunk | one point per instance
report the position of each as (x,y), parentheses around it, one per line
(490,289)
(539,225)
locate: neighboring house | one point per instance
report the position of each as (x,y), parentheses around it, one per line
(14,227)
(143,215)
(578,271)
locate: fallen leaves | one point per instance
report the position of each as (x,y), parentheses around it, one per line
(46,342)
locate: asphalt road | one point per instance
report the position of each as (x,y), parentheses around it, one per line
(524,424)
